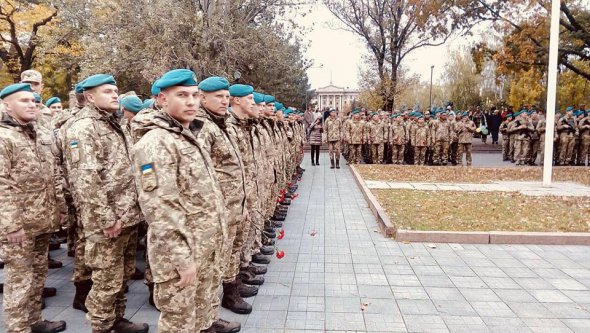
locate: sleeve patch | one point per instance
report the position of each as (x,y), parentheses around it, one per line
(74,151)
(149,180)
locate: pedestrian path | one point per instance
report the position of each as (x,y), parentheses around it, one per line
(562,189)
(340,275)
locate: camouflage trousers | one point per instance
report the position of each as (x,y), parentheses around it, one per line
(26,270)
(453,150)
(505,147)
(521,151)
(81,271)
(512,140)
(420,155)
(334,149)
(464,148)
(354,153)
(231,254)
(177,305)
(441,152)
(112,261)
(376,153)
(566,148)
(207,294)
(584,150)
(397,153)
(535,145)
(249,248)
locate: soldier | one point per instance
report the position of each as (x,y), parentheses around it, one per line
(181,199)
(441,133)
(523,128)
(465,130)
(374,137)
(26,166)
(535,139)
(54,104)
(454,144)
(567,130)
(345,135)
(227,162)
(35,79)
(397,138)
(99,171)
(355,139)
(506,137)
(421,141)
(333,128)
(540,129)
(584,129)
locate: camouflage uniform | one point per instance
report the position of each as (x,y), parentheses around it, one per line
(421,140)
(100,174)
(512,139)
(397,138)
(333,128)
(540,129)
(344,142)
(505,140)
(183,205)
(374,137)
(441,132)
(225,154)
(355,140)
(465,129)
(584,128)
(32,201)
(566,127)
(522,144)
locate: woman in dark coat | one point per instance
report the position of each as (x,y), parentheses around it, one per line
(494,122)
(315,139)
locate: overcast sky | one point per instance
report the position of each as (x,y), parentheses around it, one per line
(340,52)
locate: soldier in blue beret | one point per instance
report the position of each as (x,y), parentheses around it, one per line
(130,105)
(148,103)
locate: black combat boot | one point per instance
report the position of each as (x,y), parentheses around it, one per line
(245,290)
(53,264)
(1,288)
(257,270)
(267,250)
(337,163)
(48,292)
(224,326)
(137,275)
(268,241)
(260,259)
(125,326)
(82,290)
(232,300)
(248,277)
(331,162)
(46,326)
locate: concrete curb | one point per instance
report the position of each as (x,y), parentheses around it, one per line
(389,229)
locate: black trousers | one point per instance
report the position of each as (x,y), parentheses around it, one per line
(315,149)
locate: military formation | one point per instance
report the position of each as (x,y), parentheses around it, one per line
(202,173)
(523,137)
(439,138)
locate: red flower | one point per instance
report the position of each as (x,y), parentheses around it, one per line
(280,254)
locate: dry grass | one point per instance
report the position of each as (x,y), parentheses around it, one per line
(469,175)
(498,211)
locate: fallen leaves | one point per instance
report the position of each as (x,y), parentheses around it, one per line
(484,211)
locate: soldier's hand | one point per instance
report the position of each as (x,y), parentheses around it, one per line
(113,231)
(187,276)
(17,236)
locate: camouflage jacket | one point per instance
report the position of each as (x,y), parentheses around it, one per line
(465,129)
(224,152)
(584,126)
(346,129)
(356,132)
(99,170)
(567,126)
(441,131)
(397,134)
(179,195)
(421,136)
(333,128)
(31,197)
(374,133)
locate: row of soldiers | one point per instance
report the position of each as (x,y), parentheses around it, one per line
(401,138)
(523,137)
(210,168)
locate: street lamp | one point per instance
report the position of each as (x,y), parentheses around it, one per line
(431,71)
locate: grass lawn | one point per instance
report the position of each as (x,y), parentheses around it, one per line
(429,174)
(482,211)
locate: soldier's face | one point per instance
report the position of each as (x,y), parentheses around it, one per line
(21,106)
(216,101)
(56,107)
(36,86)
(257,110)
(181,103)
(105,97)
(332,114)
(269,109)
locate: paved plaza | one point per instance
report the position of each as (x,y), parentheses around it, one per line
(339,274)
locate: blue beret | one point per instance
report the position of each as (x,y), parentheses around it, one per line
(37,97)
(214,83)
(465,114)
(78,87)
(154,90)
(278,106)
(13,88)
(569,108)
(132,104)
(269,99)
(240,90)
(175,77)
(97,80)
(52,100)
(148,103)
(258,98)
(509,115)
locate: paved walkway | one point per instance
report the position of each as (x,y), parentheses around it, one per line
(340,275)
(562,189)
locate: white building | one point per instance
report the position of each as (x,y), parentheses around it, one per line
(334,97)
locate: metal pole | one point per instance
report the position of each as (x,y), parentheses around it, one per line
(551,92)
(431,71)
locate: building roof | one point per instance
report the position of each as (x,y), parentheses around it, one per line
(335,89)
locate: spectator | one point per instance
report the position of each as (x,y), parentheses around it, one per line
(315,138)
(494,122)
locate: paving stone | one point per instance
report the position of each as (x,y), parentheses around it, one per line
(425,323)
